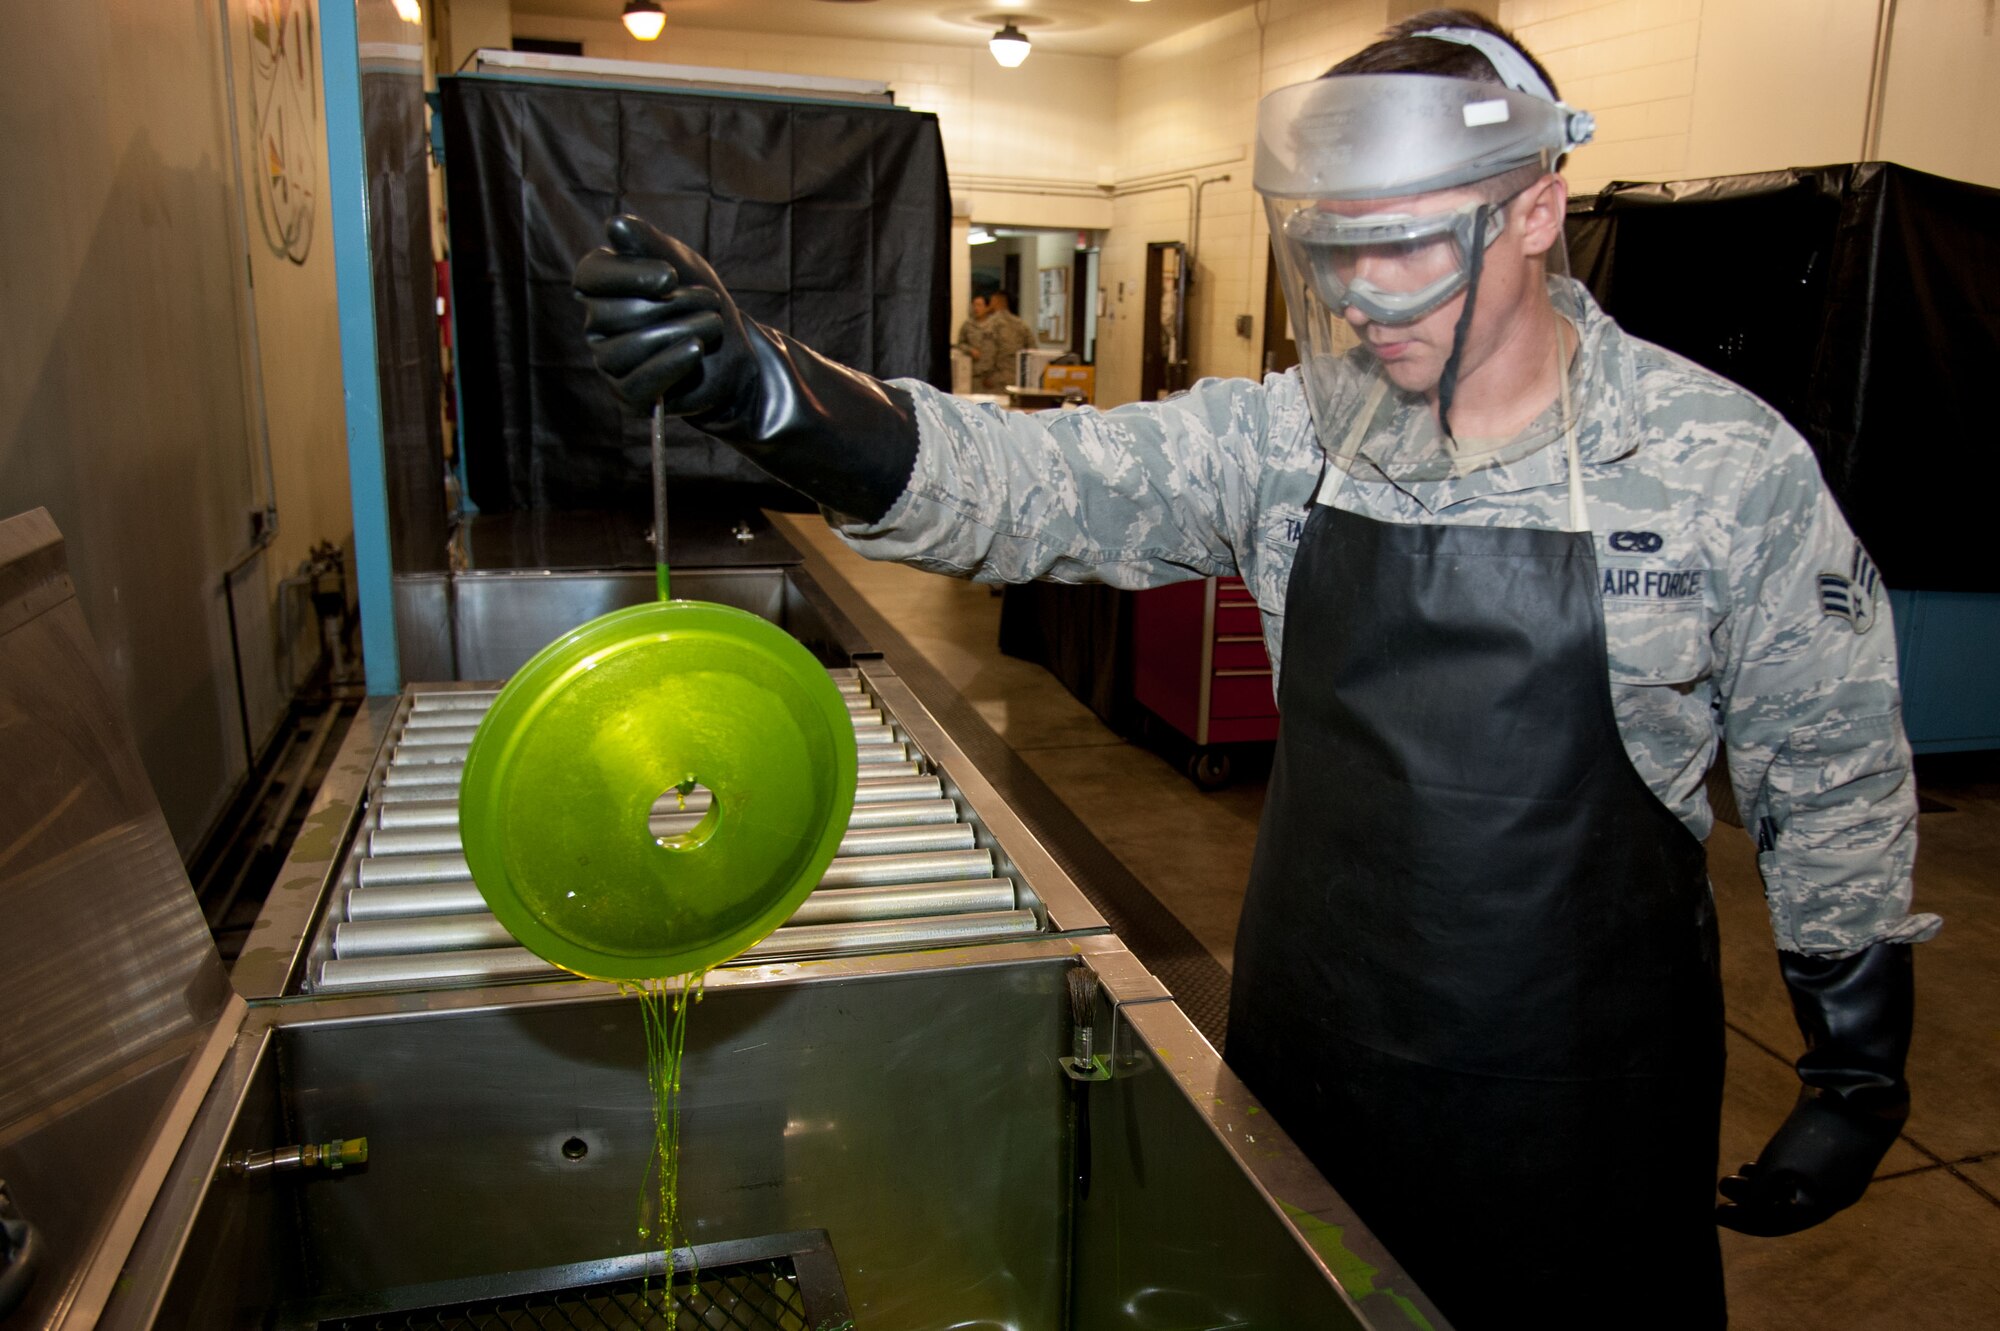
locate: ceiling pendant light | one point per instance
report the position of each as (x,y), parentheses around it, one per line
(1009,46)
(644,19)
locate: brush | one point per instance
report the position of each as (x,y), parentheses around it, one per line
(1081,1064)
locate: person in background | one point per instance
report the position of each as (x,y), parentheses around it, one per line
(975,339)
(1011,334)
(1521,574)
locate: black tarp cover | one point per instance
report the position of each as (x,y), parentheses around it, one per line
(830,222)
(1863,302)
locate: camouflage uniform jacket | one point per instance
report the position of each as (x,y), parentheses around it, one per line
(1737,603)
(1010,334)
(975,338)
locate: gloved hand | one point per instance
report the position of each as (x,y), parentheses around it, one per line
(662,327)
(1855,1012)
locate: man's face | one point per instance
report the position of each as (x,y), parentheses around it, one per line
(1413,355)
(979,307)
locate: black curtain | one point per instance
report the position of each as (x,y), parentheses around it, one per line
(1863,302)
(830,222)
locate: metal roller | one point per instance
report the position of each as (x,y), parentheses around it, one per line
(381,936)
(835,905)
(905,840)
(875,755)
(453,752)
(425,722)
(924,867)
(865,713)
(453,700)
(423,774)
(436,792)
(441,840)
(407,755)
(433,736)
(885,770)
(479,965)
(392,903)
(871,935)
(394,870)
(903,813)
(893,789)
(882,734)
(425,933)
(404,814)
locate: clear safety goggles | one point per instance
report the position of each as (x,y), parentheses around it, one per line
(1394,268)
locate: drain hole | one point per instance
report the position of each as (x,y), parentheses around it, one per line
(683,816)
(575,1148)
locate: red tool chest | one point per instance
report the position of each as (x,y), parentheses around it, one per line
(1200,666)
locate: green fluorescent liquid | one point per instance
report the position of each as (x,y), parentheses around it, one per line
(663,1014)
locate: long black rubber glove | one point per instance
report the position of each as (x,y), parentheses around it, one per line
(662,327)
(1855,1012)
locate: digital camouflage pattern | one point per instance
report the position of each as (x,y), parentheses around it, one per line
(1715,538)
(1011,335)
(975,338)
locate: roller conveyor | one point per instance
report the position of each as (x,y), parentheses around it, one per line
(912,869)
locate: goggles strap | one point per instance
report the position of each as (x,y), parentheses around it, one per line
(1448,382)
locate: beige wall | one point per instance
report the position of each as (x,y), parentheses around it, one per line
(1187,111)
(1942,108)
(1689,88)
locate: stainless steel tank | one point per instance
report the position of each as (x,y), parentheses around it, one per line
(898,1117)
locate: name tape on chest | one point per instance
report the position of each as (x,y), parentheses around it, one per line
(1654,584)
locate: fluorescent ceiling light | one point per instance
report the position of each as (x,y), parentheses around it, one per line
(409,11)
(979,236)
(644,19)
(1009,45)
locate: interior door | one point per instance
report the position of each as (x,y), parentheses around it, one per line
(1163,362)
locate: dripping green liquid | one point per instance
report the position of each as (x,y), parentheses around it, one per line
(663,1015)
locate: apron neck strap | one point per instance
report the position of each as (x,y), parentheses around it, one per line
(1336,471)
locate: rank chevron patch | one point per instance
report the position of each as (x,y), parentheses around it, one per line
(1851,595)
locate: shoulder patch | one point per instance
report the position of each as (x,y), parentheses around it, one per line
(1851,595)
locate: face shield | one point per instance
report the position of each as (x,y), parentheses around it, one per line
(1387,196)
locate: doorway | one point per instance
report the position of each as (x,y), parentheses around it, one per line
(1163,356)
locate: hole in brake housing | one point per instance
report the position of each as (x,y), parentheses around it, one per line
(684,816)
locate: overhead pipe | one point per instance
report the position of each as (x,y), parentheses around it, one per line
(1878,80)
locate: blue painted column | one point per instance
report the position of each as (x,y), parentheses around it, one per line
(347,191)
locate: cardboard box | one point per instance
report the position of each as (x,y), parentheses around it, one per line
(1063,378)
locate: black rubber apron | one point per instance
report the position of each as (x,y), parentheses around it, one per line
(1476,973)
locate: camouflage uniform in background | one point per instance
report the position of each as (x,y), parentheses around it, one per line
(1738,604)
(975,339)
(1010,334)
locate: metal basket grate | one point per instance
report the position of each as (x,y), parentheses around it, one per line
(734,1287)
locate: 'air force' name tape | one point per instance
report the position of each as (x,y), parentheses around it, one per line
(1654,584)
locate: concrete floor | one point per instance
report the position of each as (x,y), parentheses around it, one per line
(1922,1250)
